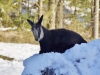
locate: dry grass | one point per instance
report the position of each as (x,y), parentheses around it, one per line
(21,36)
(6,58)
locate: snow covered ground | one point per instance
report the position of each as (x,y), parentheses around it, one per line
(17,51)
(82,59)
(10,67)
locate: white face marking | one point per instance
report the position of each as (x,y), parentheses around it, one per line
(41,34)
(38,33)
(35,33)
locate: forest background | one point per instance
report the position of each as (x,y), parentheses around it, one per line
(81,16)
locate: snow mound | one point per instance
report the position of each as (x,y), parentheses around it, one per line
(83,59)
(35,64)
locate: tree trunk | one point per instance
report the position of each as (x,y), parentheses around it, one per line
(20,7)
(59,14)
(52,16)
(40,8)
(92,17)
(28,8)
(96,19)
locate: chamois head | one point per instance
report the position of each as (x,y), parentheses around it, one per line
(37,29)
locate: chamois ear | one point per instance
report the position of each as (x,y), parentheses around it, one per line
(40,20)
(30,22)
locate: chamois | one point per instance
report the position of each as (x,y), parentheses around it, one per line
(56,40)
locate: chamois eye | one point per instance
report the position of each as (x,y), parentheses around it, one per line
(38,29)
